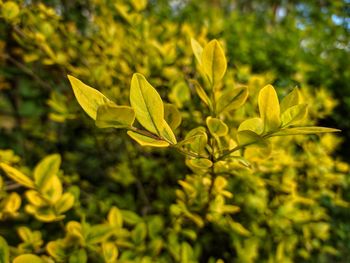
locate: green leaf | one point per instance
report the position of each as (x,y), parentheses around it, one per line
(197,50)
(4,251)
(200,139)
(269,108)
(201,163)
(46,169)
(26,258)
(17,176)
(78,256)
(147,104)
(172,116)
(9,10)
(303,130)
(201,93)
(290,100)
(139,233)
(254,124)
(232,99)
(130,217)
(168,134)
(88,98)
(114,116)
(216,127)
(98,233)
(144,140)
(214,61)
(293,115)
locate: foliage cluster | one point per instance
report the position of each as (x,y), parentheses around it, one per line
(198,179)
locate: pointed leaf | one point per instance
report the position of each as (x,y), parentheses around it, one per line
(113,116)
(269,108)
(88,98)
(304,130)
(249,137)
(214,61)
(64,203)
(46,168)
(4,251)
(232,99)
(110,252)
(17,176)
(172,115)
(115,217)
(290,100)
(293,115)
(144,140)
(147,104)
(201,93)
(197,50)
(167,134)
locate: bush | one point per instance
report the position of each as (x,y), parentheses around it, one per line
(202,178)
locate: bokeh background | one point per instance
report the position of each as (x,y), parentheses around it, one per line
(289,43)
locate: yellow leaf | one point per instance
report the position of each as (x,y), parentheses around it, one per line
(168,134)
(293,115)
(147,141)
(52,189)
(202,94)
(115,217)
(64,203)
(172,115)
(88,98)
(113,116)
(28,258)
(46,168)
(290,100)
(197,50)
(248,137)
(110,252)
(269,108)
(254,124)
(9,10)
(232,99)
(214,61)
(198,139)
(147,104)
(216,127)
(17,176)
(303,130)
(12,203)
(35,198)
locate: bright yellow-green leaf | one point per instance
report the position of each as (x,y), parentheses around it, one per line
(139,5)
(64,203)
(201,163)
(172,116)
(200,139)
(304,130)
(167,134)
(17,176)
(4,251)
(28,258)
(12,203)
(247,137)
(294,115)
(44,214)
(35,198)
(216,126)
(147,104)
(9,10)
(214,61)
(201,93)
(239,228)
(115,217)
(269,108)
(110,252)
(88,98)
(130,217)
(25,233)
(254,124)
(197,50)
(232,99)
(290,100)
(147,141)
(46,168)
(180,94)
(52,189)
(78,256)
(98,233)
(114,116)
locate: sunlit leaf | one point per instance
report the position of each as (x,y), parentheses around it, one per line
(26,258)
(197,50)
(254,124)
(88,98)
(113,116)
(290,100)
(4,251)
(216,127)
(17,176)
(144,140)
(294,115)
(172,116)
(214,61)
(232,99)
(46,168)
(269,108)
(304,130)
